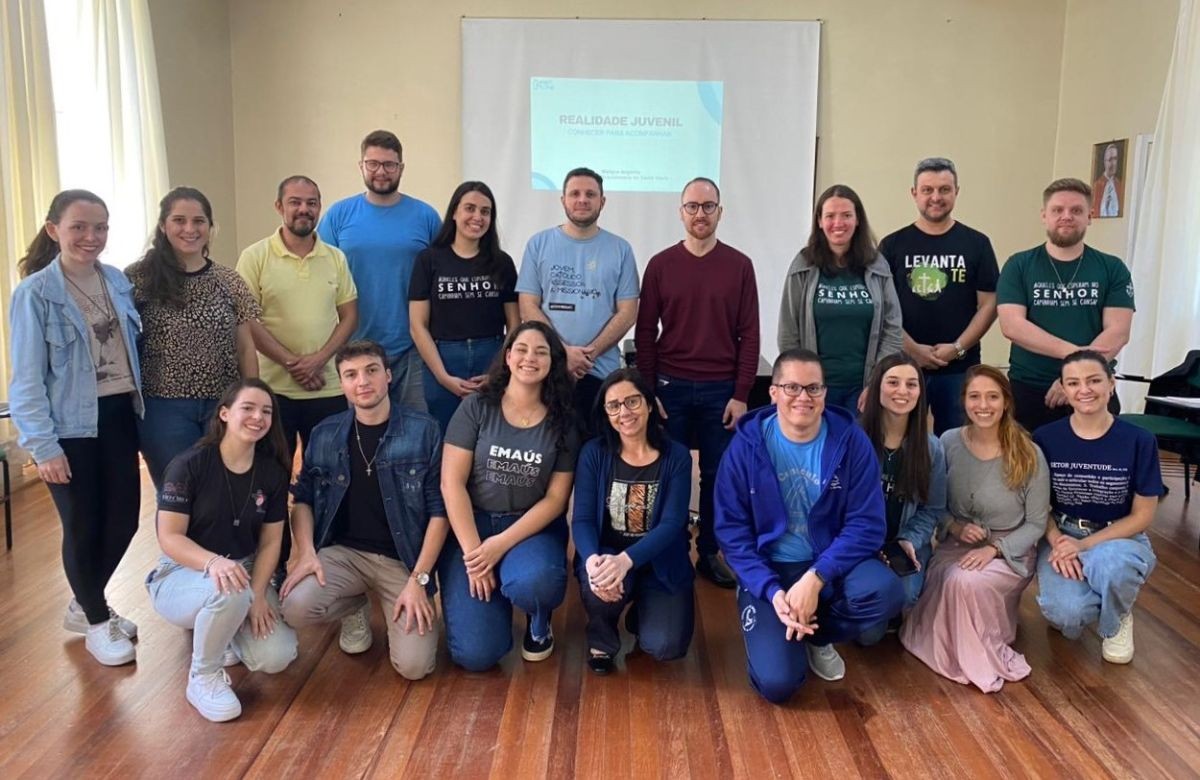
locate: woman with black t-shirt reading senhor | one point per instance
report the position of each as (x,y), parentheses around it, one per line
(220,526)
(462,299)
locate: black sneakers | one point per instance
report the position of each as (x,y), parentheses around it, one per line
(536,649)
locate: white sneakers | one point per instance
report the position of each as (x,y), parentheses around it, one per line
(76,622)
(825,662)
(108,644)
(356,630)
(1118,649)
(213,697)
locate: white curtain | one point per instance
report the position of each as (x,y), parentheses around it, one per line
(110,135)
(28,159)
(1166,247)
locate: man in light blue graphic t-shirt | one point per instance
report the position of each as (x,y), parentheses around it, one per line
(381,231)
(582,281)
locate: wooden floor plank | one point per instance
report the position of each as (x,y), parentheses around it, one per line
(333,715)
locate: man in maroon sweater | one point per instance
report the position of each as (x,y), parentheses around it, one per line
(703,363)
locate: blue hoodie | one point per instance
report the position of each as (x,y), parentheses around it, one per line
(847,522)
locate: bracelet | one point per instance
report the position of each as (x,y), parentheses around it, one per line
(210,562)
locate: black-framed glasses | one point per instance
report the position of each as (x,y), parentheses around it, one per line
(374,165)
(708,206)
(793,389)
(632,403)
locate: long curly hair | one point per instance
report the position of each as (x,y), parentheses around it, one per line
(159,270)
(1017,449)
(558,391)
(272,446)
(915,464)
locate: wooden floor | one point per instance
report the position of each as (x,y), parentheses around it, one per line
(333,715)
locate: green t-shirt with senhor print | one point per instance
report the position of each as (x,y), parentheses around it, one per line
(1066,300)
(843,312)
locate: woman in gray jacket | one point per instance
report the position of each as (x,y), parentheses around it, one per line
(838,297)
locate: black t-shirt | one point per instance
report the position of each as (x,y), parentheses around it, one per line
(361,522)
(630,504)
(893,501)
(225,510)
(464,302)
(937,278)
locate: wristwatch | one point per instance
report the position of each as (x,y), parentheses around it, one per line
(958,347)
(422,578)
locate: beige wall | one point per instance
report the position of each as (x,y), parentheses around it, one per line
(191,40)
(979,82)
(1115,60)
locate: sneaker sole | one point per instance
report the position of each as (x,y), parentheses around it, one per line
(119,660)
(356,649)
(1116,659)
(216,716)
(540,655)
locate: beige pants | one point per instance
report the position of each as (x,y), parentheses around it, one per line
(349,575)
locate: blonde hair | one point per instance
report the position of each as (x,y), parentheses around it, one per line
(1017,450)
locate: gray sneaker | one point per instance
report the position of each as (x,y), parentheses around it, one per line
(825,662)
(76,621)
(356,630)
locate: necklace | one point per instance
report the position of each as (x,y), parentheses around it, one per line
(237,514)
(524,417)
(358,440)
(103,306)
(1054,267)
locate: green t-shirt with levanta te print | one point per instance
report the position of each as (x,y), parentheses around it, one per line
(1066,300)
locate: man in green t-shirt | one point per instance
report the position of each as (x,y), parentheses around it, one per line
(1059,297)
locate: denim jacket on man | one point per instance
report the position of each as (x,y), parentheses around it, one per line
(52,395)
(410,475)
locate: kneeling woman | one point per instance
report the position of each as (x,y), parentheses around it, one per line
(998,492)
(913,463)
(220,524)
(507,467)
(1104,484)
(632,488)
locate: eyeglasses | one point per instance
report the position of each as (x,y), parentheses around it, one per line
(707,206)
(632,403)
(792,390)
(374,165)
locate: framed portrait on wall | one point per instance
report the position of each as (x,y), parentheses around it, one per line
(1108,178)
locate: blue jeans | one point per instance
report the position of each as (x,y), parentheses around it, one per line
(912,584)
(405,388)
(463,359)
(664,620)
(867,595)
(1113,574)
(532,576)
(944,394)
(170,426)
(694,412)
(844,396)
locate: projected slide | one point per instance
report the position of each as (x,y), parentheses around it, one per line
(641,136)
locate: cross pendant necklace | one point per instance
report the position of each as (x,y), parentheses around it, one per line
(358,440)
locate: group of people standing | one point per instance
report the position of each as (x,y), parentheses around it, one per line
(361,322)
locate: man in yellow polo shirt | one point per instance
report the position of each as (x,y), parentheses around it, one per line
(310,309)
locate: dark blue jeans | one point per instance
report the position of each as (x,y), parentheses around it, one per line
(944,395)
(463,359)
(170,426)
(913,584)
(694,411)
(845,396)
(532,577)
(664,619)
(869,594)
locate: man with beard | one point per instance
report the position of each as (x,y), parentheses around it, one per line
(310,308)
(703,363)
(582,281)
(1057,298)
(945,276)
(381,231)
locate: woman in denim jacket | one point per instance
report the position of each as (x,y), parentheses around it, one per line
(75,398)
(895,417)
(632,489)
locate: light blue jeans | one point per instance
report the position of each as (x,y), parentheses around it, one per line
(189,599)
(1113,574)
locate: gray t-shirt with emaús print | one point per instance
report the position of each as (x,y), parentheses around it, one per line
(512,466)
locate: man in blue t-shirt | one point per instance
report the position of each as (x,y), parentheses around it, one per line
(583,282)
(381,231)
(800,518)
